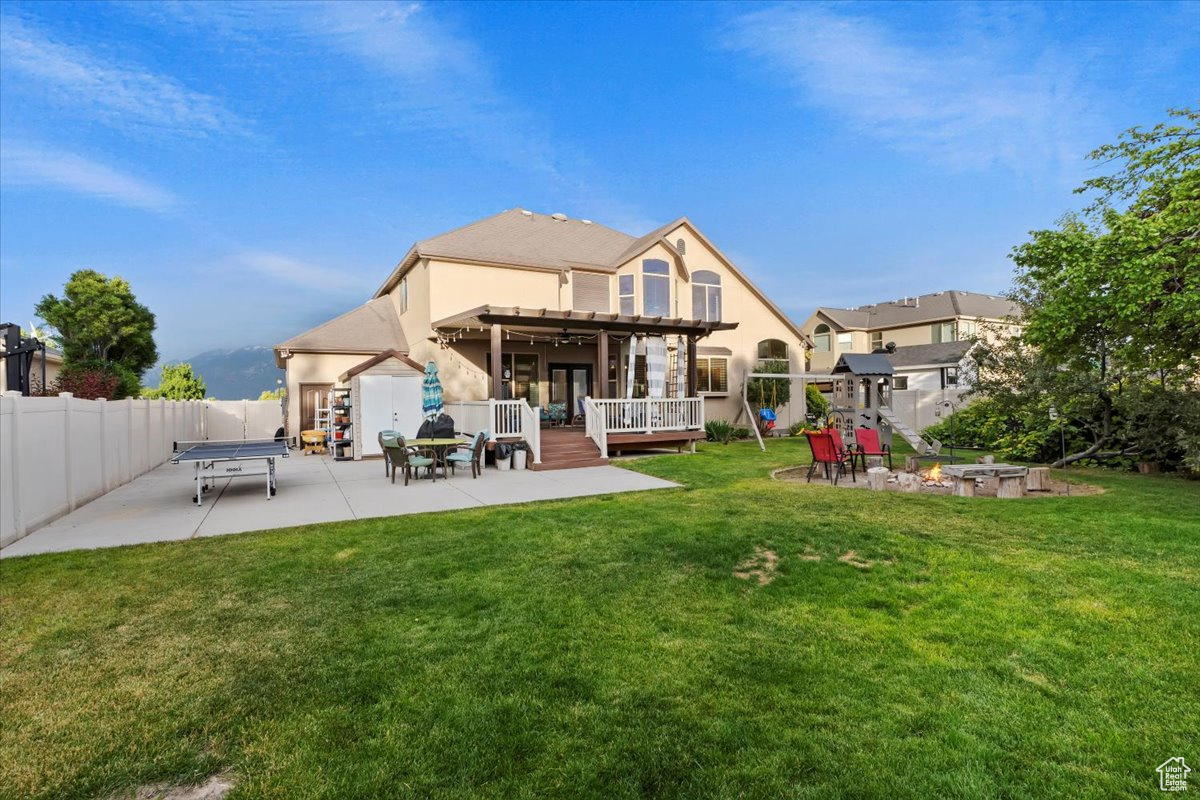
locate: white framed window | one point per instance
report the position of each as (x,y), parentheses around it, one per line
(822,339)
(876,340)
(712,375)
(845,342)
(943,332)
(967,328)
(706,295)
(900,383)
(403,294)
(656,288)
(625,295)
(949,377)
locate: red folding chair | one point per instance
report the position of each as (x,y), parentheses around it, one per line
(826,453)
(868,445)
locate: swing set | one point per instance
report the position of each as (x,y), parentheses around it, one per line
(768,415)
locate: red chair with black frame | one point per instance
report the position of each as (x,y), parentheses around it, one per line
(825,452)
(867,444)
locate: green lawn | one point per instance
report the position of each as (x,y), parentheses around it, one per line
(602,648)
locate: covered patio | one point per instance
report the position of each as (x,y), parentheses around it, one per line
(589,361)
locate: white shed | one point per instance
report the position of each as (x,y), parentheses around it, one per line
(385,394)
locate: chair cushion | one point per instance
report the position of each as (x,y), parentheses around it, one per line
(420,461)
(459,456)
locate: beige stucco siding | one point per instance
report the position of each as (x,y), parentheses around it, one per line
(315,368)
(460,287)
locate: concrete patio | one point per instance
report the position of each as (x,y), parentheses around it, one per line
(158,506)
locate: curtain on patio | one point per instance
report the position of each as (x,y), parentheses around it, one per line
(680,367)
(656,366)
(633,345)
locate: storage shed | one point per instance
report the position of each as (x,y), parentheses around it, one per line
(385,394)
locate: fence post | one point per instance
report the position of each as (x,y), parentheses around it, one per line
(68,472)
(103,443)
(127,474)
(14,443)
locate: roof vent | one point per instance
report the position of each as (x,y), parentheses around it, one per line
(559,217)
(526,213)
(586,221)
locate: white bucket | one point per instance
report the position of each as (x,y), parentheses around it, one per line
(503,464)
(519,457)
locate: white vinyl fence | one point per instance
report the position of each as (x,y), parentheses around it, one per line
(57,453)
(920,408)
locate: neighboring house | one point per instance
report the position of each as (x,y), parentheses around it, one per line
(938,318)
(543,311)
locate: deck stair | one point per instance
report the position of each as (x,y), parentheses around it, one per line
(568,448)
(908,434)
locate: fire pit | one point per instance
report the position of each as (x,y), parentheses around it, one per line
(966,480)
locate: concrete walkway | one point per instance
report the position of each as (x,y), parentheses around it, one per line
(158,506)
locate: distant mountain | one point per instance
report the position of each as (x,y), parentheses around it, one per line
(241,374)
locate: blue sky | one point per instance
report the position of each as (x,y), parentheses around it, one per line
(254,169)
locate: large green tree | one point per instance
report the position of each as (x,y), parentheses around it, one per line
(101,326)
(178,382)
(1111,301)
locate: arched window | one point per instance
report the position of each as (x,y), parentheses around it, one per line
(772,350)
(706,295)
(822,339)
(656,288)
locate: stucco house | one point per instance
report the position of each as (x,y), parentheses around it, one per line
(937,318)
(543,314)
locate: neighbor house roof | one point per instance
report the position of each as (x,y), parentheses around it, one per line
(929,354)
(371,328)
(922,309)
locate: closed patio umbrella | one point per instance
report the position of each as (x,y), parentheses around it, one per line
(431,392)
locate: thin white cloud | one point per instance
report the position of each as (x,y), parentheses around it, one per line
(283,269)
(963,104)
(22,165)
(122,96)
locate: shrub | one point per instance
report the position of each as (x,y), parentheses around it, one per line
(818,406)
(87,383)
(718,430)
(739,433)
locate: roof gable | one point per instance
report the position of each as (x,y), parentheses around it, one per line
(379,359)
(371,328)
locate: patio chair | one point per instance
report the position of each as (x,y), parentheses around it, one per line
(383,437)
(867,444)
(409,458)
(472,454)
(558,414)
(579,417)
(827,454)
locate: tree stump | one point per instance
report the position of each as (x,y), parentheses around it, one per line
(912,464)
(877,478)
(1011,486)
(964,487)
(874,461)
(986,460)
(909,482)
(1039,479)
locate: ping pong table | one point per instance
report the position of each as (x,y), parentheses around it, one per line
(214,460)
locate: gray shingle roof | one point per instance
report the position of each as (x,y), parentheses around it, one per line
(863,364)
(371,328)
(922,309)
(526,238)
(920,354)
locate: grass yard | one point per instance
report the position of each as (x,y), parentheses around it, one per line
(907,647)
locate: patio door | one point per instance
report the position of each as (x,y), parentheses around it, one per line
(569,384)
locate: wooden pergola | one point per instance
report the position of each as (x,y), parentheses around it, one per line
(497,318)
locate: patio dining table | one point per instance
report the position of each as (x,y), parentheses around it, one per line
(438,446)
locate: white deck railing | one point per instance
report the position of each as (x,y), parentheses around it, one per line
(506,419)
(641,415)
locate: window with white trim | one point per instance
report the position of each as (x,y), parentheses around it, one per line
(712,375)
(706,295)
(656,288)
(822,339)
(943,332)
(900,383)
(949,377)
(625,294)
(845,342)
(876,340)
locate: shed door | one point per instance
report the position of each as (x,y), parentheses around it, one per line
(406,405)
(375,399)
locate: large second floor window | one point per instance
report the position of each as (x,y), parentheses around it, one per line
(656,288)
(706,295)
(845,342)
(625,294)
(822,339)
(943,332)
